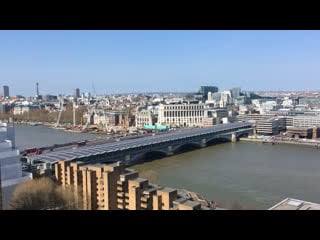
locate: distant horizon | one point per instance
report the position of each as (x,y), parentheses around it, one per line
(166,92)
(120,61)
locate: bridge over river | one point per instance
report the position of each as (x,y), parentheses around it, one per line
(132,151)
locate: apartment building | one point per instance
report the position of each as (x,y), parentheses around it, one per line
(113,187)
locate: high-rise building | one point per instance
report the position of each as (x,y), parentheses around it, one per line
(5,91)
(235,93)
(37,90)
(11,173)
(204,90)
(76,93)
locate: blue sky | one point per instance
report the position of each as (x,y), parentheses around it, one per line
(144,61)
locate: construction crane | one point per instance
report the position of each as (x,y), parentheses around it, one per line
(105,118)
(91,111)
(74,112)
(60,111)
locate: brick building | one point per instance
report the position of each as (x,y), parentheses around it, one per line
(113,187)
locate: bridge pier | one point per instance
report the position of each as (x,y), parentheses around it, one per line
(127,158)
(203,143)
(234,137)
(170,152)
(254,131)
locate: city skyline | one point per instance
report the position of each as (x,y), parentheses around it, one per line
(158,61)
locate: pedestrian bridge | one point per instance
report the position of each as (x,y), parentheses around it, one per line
(132,151)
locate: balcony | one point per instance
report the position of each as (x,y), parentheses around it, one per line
(119,183)
(144,205)
(144,199)
(120,194)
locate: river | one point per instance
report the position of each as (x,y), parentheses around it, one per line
(254,175)
(42,136)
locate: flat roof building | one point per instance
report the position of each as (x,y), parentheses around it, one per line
(295,204)
(271,126)
(184,115)
(112,187)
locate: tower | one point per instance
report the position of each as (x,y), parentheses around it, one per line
(5,91)
(37,89)
(76,93)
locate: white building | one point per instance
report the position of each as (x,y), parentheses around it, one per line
(243,109)
(184,115)
(10,166)
(225,99)
(287,103)
(306,121)
(267,106)
(143,117)
(24,107)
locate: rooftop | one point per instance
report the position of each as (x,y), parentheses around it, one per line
(295,204)
(115,164)
(191,203)
(100,165)
(140,180)
(166,189)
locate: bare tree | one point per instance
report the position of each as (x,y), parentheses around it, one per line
(44,115)
(41,194)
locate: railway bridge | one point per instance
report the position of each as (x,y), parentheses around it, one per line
(132,151)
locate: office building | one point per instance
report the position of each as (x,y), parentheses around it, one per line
(110,118)
(6,92)
(76,93)
(303,132)
(306,121)
(271,126)
(311,102)
(235,93)
(182,115)
(113,187)
(204,90)
(217,115)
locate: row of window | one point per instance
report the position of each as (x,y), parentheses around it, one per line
(184,107)
(184,120)
(183,113)
(143,120)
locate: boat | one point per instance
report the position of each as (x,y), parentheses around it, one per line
(35,123)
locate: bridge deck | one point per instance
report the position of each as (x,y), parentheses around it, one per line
(88,151)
